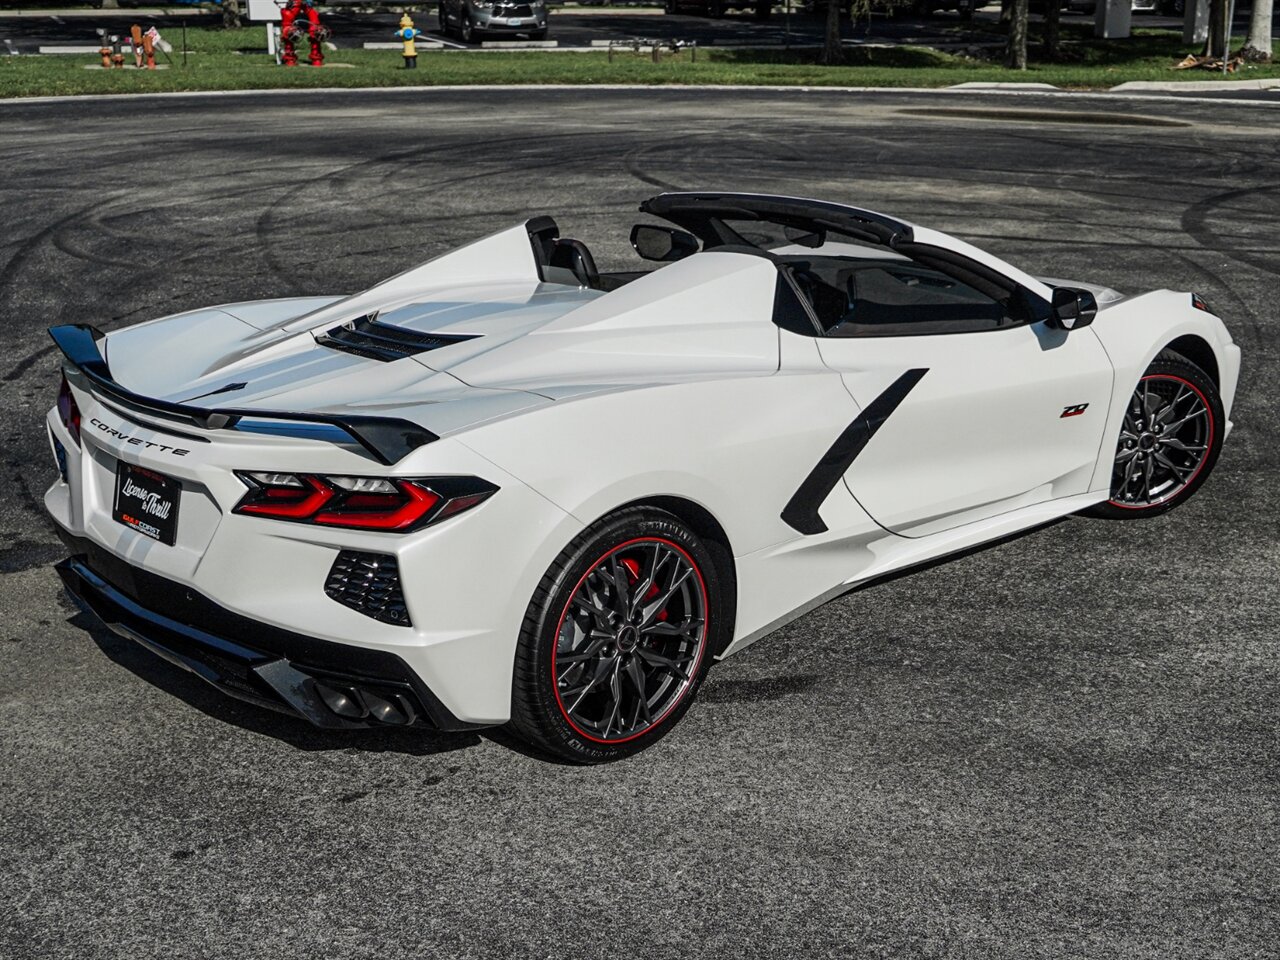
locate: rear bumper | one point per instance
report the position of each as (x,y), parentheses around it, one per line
(332,685)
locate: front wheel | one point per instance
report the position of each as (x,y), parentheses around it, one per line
(617,638)
(1169,441)
(467,32)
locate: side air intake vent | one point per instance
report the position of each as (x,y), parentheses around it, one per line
(368,583)
(369,337)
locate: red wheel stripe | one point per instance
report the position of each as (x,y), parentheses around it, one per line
(706,621)
(1207,447)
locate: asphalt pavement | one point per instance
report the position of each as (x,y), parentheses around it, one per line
(1061,746)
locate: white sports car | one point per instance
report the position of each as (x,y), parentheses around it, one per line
(503,487)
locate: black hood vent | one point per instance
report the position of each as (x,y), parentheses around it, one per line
(368,337)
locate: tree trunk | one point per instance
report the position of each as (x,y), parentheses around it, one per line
(1258,47)
(231,14)
(1217,21)
(832,51)
(1017,58)
(1052,21)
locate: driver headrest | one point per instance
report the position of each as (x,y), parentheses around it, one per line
(573,255)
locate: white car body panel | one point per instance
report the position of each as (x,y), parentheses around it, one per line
(988,436)
(675,388)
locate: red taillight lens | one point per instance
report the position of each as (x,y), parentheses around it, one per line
(382,511)
(364,503)
(68,412)
(288,501)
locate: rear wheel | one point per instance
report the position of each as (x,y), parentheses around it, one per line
(617,639)
(1169,441)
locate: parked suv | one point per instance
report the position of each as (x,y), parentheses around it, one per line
(471,19)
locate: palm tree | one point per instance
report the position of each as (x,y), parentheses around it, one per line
(832,51)
(1258,47)
(1017,57)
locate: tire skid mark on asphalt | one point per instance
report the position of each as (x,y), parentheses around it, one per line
(27,249)
(27,362)
(395,161)
(1195,221)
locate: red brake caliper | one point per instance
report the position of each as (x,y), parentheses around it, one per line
(633,574)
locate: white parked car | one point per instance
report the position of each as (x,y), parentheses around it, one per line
(504,487)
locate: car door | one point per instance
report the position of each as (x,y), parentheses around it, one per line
(970,414)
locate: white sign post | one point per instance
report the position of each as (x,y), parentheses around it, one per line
(267,11)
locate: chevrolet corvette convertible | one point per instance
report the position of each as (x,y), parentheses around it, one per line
(504,487)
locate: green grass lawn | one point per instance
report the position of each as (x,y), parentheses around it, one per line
(235,60)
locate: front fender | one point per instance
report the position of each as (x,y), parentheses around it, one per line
(1135,330)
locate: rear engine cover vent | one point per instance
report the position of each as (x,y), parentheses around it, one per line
(370,584)
(368,337)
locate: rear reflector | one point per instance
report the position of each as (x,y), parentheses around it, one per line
(68,412)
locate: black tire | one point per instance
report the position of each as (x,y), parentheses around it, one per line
(670,6)
(538,35)
(1171,375)
(467,31)
(596,639)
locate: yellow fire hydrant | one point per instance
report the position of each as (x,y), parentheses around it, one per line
(408,33)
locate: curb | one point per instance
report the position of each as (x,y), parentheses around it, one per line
(428,90)
(1164,85)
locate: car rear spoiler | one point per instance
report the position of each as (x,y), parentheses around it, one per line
(387,439)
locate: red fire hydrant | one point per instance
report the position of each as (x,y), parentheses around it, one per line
(300,19)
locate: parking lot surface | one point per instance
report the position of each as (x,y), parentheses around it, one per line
(1061,746)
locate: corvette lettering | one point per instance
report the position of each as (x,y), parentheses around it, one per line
(137,441)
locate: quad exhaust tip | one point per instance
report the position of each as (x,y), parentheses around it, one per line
(361,703)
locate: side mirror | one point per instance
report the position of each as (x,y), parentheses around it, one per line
(1073,309)
(663,244)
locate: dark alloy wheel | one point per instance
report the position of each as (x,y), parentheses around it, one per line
(617,639)
(1169,440)
(468,33)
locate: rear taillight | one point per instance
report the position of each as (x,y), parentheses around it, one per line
(364,503)
(68,412)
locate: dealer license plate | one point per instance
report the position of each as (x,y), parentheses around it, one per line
(147,501)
